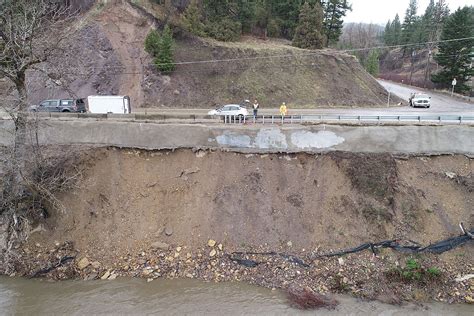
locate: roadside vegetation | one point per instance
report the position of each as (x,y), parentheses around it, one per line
(31,33)
(414,272)
(437,36)
(160,47)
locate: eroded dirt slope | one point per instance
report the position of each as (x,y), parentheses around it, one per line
(129,198)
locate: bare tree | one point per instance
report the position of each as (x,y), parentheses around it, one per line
(31,31)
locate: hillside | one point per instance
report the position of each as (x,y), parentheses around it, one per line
(397,67)
(106,56)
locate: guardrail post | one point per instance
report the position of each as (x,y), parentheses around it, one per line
(460,120)
(291,119)
(263,119)
(301,119)
(419,119)
(273,119)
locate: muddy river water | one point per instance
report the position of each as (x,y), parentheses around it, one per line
(177,297)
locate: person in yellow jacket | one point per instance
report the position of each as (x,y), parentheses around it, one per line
(283,109)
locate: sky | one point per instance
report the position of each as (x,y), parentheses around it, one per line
(380,11)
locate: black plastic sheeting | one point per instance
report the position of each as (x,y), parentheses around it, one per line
(397,245)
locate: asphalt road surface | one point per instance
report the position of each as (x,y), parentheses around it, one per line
(440,103)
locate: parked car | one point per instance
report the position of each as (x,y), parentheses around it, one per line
(59,105)
(232,110)
(419,100)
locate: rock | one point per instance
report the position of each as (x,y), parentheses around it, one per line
(341,261)
(176,92)
(211,243)
(469,299)
(149,280)
(83,263)
(465,278)
(289,244)
(189,171)
(160,245)
(112,277)
(178,249)
(220,247)
(212,253)
(200,154)
(91,277)
(95,264)
(168,231)
(105,276)
(450,175)
(188,255)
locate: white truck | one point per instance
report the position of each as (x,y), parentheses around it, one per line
(104,104)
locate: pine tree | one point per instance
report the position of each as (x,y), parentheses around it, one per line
(396,28)
(409,22)
(372,65)
(308,32)
(456,56)
(152,43)
(334,12)
(164,61)
(388,34)
(192,19)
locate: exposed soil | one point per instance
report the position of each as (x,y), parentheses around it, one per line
(157,214)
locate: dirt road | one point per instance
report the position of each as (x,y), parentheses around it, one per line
(439,102)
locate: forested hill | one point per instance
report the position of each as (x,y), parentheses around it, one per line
(320,21)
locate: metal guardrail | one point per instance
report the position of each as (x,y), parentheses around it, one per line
(311,118)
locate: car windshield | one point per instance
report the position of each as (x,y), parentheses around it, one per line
(421,96)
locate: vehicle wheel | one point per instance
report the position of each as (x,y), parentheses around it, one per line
(66,111)
(241,118)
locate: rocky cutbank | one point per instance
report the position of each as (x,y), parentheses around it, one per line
(362,275)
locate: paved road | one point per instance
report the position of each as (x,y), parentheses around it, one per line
(441,105)
(439,102)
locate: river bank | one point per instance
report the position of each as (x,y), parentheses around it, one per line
(173,214)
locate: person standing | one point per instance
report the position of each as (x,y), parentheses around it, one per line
(255,108)
(283,110)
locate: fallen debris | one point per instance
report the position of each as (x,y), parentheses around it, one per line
(306,298)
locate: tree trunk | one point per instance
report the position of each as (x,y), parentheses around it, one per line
(15,190)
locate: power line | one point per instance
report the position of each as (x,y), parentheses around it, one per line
(308,54)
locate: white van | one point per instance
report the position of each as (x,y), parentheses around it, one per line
(103,104)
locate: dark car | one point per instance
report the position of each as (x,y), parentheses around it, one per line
(60,105)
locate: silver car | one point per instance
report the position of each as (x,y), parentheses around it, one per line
(420,100)
(231,110)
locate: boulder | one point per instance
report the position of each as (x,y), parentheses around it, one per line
(160,245)
(83,263)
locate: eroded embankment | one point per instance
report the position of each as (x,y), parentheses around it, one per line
(152,214)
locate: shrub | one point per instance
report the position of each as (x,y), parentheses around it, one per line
(226,30)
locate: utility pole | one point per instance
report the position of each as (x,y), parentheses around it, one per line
(427,69)
(413,53)
(388,101)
